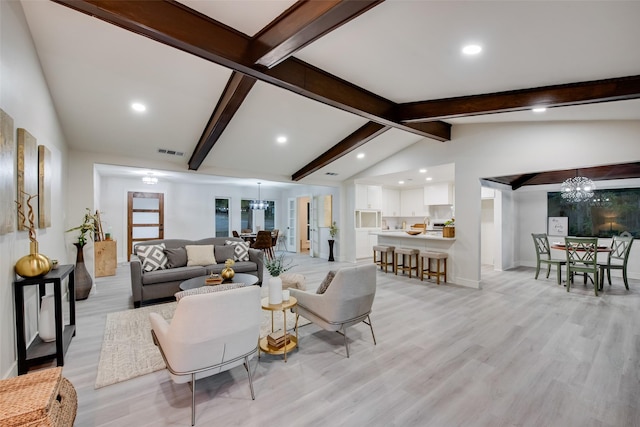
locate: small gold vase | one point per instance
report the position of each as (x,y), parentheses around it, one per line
(34,264)
(227,273)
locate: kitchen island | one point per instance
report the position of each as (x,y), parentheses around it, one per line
(430,241)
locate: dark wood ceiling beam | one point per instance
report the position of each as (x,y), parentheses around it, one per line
(301,24)
(522,180)
(175,25)
(358,138)
(233,96)
(616,89)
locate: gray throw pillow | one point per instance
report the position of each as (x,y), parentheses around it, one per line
(224,252)
(177,257)
(326,282)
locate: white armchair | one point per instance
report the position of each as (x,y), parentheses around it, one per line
(209,333)
(346,302)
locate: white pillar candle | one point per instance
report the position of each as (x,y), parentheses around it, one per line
(285,295)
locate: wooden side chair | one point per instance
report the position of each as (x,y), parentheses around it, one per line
(264,243)
(617,259)
(582,257)
(543,256)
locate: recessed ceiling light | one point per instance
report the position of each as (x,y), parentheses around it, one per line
(136,106)
(472,49)
(539,109)
(428,178)
(400,182)
(423,171)
(360,156)
(281,139)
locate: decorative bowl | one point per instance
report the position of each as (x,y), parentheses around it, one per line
(414,232)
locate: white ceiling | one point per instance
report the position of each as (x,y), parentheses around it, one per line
(402,50)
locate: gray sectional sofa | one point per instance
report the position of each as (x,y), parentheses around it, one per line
(163,283)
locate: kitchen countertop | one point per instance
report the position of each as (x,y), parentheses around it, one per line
(431,235)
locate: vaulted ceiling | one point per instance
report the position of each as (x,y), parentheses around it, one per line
(223,79)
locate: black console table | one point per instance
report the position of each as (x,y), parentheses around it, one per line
(40,351)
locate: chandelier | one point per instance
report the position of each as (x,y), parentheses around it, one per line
(258,204)
(577,189)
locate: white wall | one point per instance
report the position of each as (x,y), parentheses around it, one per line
(25,97)
(486,150)
(189,208)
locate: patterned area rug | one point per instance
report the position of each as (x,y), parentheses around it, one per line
(128,350)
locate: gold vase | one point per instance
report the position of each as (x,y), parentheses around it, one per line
(34,264)
(227,273)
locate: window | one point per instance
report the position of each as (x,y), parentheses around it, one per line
(246,216)
(265,219)
(270,216)
(222,218)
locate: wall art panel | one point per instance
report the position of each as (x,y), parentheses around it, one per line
(7,169)
(27,170)
(44,187)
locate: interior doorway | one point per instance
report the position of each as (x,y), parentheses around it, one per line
(303,225)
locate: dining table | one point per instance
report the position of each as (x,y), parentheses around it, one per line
(249,237)
(562,247)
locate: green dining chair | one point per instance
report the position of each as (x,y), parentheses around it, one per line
(617,259)
(582,257)
(543,255)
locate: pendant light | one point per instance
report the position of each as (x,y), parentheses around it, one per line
(258,204)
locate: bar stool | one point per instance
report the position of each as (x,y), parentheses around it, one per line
(428,256)
(404,267)
(384,262)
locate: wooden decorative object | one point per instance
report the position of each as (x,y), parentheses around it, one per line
(7,168)
(27,168)
(44,187)
(449,232)
(106,258)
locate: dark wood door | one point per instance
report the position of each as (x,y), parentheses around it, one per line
(145,218)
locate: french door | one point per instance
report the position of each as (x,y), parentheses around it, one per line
(292,223)
(145,218)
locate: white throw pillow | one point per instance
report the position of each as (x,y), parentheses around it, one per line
(200,255)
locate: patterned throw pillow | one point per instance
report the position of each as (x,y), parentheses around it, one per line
(152,257)
(326,282)
(240,250)
(208,289)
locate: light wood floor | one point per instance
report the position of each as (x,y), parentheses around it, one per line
(520,352)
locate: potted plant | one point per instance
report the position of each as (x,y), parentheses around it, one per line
(449,229)
(276,266)
(333,231)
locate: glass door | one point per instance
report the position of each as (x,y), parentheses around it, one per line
(145,218)
(291,225)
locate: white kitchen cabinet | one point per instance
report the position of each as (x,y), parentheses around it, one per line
(390,202)
(412,203)
(487,193)
(368,219)
(438,194)
(365,243)
(368,196)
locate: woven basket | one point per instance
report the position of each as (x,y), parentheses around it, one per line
(42,398)
(449,232)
